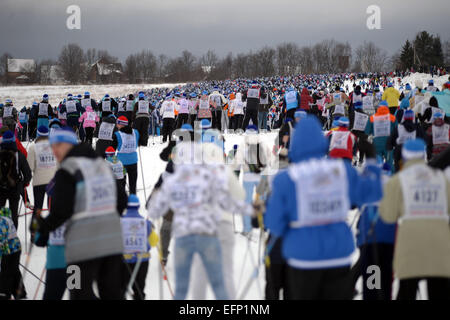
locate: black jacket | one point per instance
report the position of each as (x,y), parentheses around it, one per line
(63,199)
(24,168)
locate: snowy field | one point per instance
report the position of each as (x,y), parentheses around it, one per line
(26,95)
(245,251)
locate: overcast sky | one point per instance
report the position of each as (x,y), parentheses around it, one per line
(37,29)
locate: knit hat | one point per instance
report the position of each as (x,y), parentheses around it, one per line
(42,131)
(110,151)
(252,129)
(408,87)
(414,149)
(383,104)
(187,127)
(343,122)
(63,135)
(8,137)
(205,124)
(408,115)
(45,97)
(133,201)
(122,120)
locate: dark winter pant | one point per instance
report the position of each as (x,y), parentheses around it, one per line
(438,288)
(217,119)
(55,284)
(238,120)
(141,124)
(182,119)
(392,110)
(250,115)
(10,277)
(381,255)
(23,132)
(101,146)
(167,129)
(276,280)
(39,195)
(106,272)
(362,145)
(32,129)
(291,114)
(132,177)
(89,134)
(139,282)
(320,284)
(13,199)
(192,118)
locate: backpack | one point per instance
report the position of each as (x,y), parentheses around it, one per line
(9,170)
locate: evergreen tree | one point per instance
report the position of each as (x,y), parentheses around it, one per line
(407,56)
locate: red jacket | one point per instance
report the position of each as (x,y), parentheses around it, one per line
(305,99)
(341,150)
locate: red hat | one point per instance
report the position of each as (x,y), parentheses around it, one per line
(110,151)
(122,120)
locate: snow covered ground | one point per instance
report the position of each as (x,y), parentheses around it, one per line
(26,95)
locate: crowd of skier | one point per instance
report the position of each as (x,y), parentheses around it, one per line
(369,143)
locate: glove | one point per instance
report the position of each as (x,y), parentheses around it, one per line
(154,239)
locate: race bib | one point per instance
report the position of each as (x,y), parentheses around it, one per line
(337,98)
(357,98)
(204,104)
(322,192)
(71,106)
(22,117)
(106,106)
(45,159)
(367,103)
(382,126)
(360,121)
(85,102)
(106,130)
(130,105)
(118,170)
(7,112)
(91,116)
(424,193)
(253,93)
(56,237)
(135,237)
(143,106)
(184,106)
(100,188)
(43,109)
(440,134)
(128,143)
(339,109)
(339,140)
(404,135)
(121,107)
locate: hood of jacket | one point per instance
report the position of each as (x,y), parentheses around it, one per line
(127,130)
(308,141)
(82,150)
(89,109)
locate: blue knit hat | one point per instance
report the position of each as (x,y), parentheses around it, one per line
(45,97)
(63,135)
(414,149)
(205,124)
(8,137)
(133,201)
(42,131)
(187,127)
(408,87)
(343,122)
(383,104)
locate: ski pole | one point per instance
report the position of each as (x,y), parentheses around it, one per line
(142,172)
(39,284)
(134,273)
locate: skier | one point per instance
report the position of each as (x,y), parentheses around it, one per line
(309,205)
(263,109)
(9,115)
(89,119)
(116,166)
(197,194)
(105,134)
(237,109)
(203,107)
(168,117)
(391,95)
(43,166)
(183,111)
(88,101)
(45,112)
(417,197)
(86,195)
(141,119)
(125,141)
(291,102)
(129,107)
(15,174)
(23,120)
(342,141)
(73,110)
(251,97)
(217,100)
(107,106)
(137,242)
(437,136)
(32,125)
(10,251)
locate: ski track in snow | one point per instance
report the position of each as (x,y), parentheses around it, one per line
(153,166)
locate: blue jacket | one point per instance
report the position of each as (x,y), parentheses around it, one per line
(127,158)
(323,246)
(132,212)
(372,229)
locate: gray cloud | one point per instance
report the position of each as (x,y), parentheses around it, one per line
(37,29)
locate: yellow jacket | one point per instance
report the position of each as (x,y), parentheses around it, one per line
(391,95)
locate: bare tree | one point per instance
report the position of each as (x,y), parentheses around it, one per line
(209,60)
(266,61)
(161,65)
(104,55)
(146,63)
(4,67)
(91,56)
(287,58)
(43,73)
(370,58)
(131,68)
(72,63)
